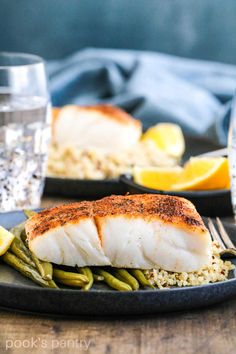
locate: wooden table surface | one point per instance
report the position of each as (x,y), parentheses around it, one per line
(210,330)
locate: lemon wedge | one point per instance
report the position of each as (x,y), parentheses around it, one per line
(6,239)
(204,174)
(157,177)
(197,174)
(168,138)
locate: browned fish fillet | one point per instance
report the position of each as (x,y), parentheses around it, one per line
(135,231)
(95,127)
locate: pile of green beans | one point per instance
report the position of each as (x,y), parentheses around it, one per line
(88,273)
(70,278)
(27,270)
(24,261)
(19,257)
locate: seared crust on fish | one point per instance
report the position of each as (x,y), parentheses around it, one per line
(174,210)
(49,219)
(108,111)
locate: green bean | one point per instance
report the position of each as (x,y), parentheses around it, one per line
(28,213)
(138,274)
(44,268)
(71,282)
(52,283)
(98,278)
(18,246)
(17,230)
(124,275)
(112,281)
(88,273)
(23,237)
(59,274)
(26,270)
(19,249)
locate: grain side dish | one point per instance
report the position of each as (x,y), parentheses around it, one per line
(217,271)
(71,162)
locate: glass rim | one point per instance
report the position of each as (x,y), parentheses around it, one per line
(33,60)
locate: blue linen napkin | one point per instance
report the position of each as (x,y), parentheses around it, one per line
(151,86)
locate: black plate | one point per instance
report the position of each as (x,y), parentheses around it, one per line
(75,188)
(81,188)
(19,293)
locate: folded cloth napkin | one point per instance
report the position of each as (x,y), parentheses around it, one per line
(151,86)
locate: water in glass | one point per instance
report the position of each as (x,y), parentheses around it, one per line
(24,136)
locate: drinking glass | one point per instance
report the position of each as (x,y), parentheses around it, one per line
(232,155)
(24,130)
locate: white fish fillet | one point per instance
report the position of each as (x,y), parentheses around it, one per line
(102,127)
(139,231)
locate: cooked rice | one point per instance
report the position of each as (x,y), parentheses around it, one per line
(218,270)
(73,162)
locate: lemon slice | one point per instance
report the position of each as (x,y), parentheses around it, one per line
(6,239)
(204,174)
(55,112)
(168,138)
(157,177)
